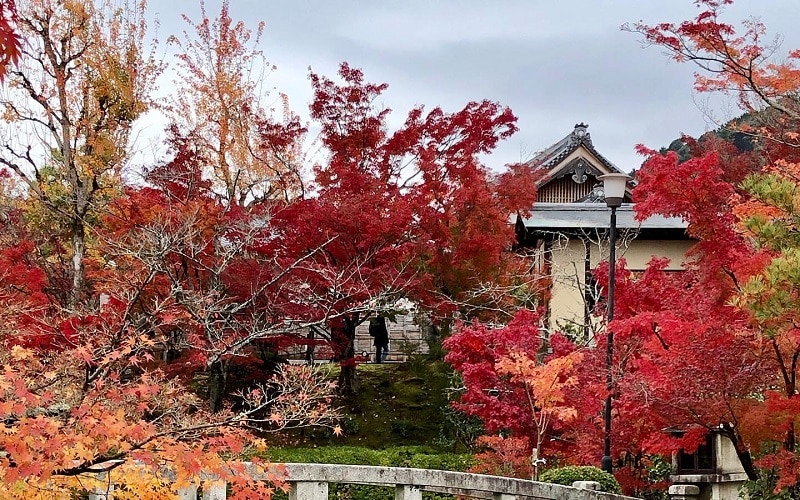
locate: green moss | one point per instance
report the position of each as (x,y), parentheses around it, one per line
(424,457)
(398,410)
(394,405)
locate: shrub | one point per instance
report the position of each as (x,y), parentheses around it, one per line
(458,428)
(764,488)
(422,457)
(571,473)
(350,426)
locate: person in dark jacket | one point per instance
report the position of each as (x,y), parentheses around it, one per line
(380,338)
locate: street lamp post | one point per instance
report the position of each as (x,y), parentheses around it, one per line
(614,191)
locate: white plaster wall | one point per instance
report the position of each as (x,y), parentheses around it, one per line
(567,269)
(639,253)
(568,272)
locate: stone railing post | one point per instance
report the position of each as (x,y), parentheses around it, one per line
(104,490)
(104,493)
(188,492)
(684,492)
(308,490)
(587,485)
(503,496)
(407,492)
(215,490)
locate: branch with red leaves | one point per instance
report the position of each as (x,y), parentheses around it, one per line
(10,41)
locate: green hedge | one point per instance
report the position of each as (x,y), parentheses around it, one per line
(422,457)
(571,473)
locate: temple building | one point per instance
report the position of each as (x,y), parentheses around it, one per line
(566,233)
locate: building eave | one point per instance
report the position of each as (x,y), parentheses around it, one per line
(556,216)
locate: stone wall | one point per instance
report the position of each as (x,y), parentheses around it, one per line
(405,337)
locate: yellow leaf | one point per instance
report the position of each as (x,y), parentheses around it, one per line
(19,353)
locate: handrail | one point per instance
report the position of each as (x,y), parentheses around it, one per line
(457,483)
(310,482)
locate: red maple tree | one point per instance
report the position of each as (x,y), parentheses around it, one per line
(735,302)
(714,348)
(406,214)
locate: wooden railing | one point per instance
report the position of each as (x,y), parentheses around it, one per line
(310,482)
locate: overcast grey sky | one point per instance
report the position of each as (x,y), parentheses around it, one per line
(555,63)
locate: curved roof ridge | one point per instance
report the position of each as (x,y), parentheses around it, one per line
(553,155)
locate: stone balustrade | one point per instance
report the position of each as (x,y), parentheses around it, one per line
(310,482)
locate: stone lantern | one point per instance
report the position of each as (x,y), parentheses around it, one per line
(713,472)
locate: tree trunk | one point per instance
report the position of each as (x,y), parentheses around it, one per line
(310,346)
(790,440)
(218,373)
(78,252)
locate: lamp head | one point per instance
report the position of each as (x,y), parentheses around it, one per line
(614,188)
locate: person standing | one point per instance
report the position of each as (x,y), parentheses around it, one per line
(380,337)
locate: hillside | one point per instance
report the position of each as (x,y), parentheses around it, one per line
(402,404)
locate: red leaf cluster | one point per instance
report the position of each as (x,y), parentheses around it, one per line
(10,40)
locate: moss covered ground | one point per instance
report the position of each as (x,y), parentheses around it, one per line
(396,404)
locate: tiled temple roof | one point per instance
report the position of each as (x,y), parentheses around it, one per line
(551,157)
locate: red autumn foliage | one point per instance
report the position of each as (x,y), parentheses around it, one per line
(733,305)
(410,213)
(504,456)
(511,390)
(10,40)
(713,348)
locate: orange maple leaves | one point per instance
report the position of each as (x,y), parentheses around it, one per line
(146,432)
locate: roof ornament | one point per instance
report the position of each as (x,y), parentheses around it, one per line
(579,134)
(596,195)
(578,170)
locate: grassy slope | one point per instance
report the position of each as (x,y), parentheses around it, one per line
(395,405)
